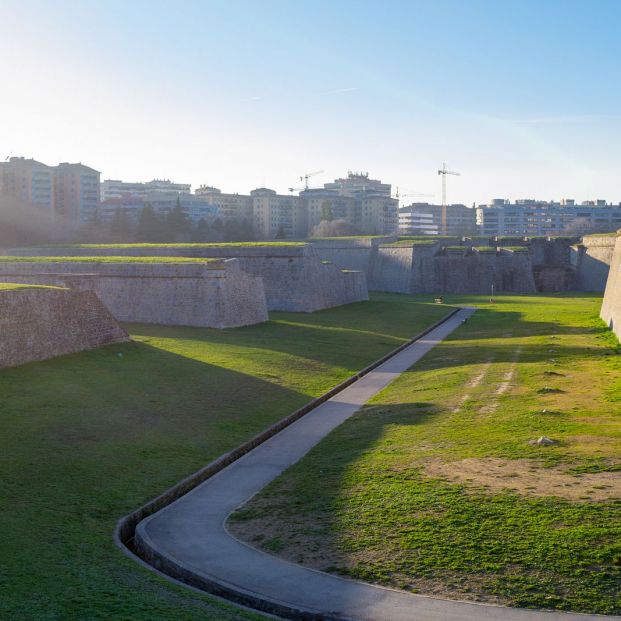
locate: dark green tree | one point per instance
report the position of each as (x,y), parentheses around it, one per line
(280,233)
(178,225)
(150,226)
(200,233)
(120,227)
(326,211)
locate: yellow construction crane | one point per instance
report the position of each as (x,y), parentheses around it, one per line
(305,178)
(443,171)
(412,195)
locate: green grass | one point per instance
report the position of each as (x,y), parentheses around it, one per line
(398,495)
(9,286)
(516,248)
(90,437)
(105,259)
(485,249)
(179,245)
(409,243)
(312,239)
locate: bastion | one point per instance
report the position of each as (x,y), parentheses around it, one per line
(37,323)
(432,267)
(611,305)
(189,292)
(592,259)
(294,276)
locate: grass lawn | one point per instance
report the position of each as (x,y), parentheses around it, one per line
(105,259)
(9,286)
(180,245)
(88,438)
(434,487)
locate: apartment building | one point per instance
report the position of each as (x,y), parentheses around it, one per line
(114,188)
(231,207)
(29,181)
(532,218)
(195,207)
(426,219)
(76,192)
(276,215)
(363,202)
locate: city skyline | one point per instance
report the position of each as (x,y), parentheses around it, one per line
(511,97)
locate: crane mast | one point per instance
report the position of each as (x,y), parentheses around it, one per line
(443,171)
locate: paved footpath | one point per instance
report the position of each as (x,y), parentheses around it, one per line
(189,538)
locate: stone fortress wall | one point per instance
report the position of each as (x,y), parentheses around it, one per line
(592,258)
(294,276)
(38,323)
(611,305)
(214,294)
(547,264)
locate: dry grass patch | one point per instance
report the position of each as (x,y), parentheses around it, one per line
(527,477)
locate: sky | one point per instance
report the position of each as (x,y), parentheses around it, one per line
(521,97)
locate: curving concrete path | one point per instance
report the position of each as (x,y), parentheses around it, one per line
(188,539)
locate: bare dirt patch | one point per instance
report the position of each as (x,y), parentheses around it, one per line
(528,477)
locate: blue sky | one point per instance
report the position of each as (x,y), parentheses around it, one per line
(521,97)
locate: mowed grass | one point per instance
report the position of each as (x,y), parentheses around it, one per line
(9,286)
(434,488)
(104,259)
(90,437)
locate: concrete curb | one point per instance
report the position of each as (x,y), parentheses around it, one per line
(126,526)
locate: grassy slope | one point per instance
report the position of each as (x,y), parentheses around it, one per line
(363,503)
(88,438)
(180,245)
(9,286)
(104,259)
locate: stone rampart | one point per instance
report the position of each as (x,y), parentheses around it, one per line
(591,259)
(611,305)
(37,323)
(215,294)
(432,269)
(294,277)
(354,253)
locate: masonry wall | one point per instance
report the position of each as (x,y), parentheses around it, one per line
(215,294)
(429,269)
(294,277)
(41,323)
(611,305)
(350,254)
(591,259)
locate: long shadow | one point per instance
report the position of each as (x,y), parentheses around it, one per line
(87,438)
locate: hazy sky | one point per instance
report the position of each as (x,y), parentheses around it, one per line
(521,97)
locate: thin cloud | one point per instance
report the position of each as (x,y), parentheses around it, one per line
(255,98)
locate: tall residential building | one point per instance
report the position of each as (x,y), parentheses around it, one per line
(195,207)
(230,206)
(76,192)
(321,203)
(363,202)
(114,188)
(532,218)
(426,219)
(29,181)
(275,214)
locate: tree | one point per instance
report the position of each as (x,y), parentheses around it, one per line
(200,234)
(150,226)
(280,233)
(120,227)
(334,228)
(178,225)
(326,211)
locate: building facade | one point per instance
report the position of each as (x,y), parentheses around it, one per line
(362,202)
(231,207)
(426,219)
(532,218)
(76,192)
(114,188)
(29,181)
(277,215)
